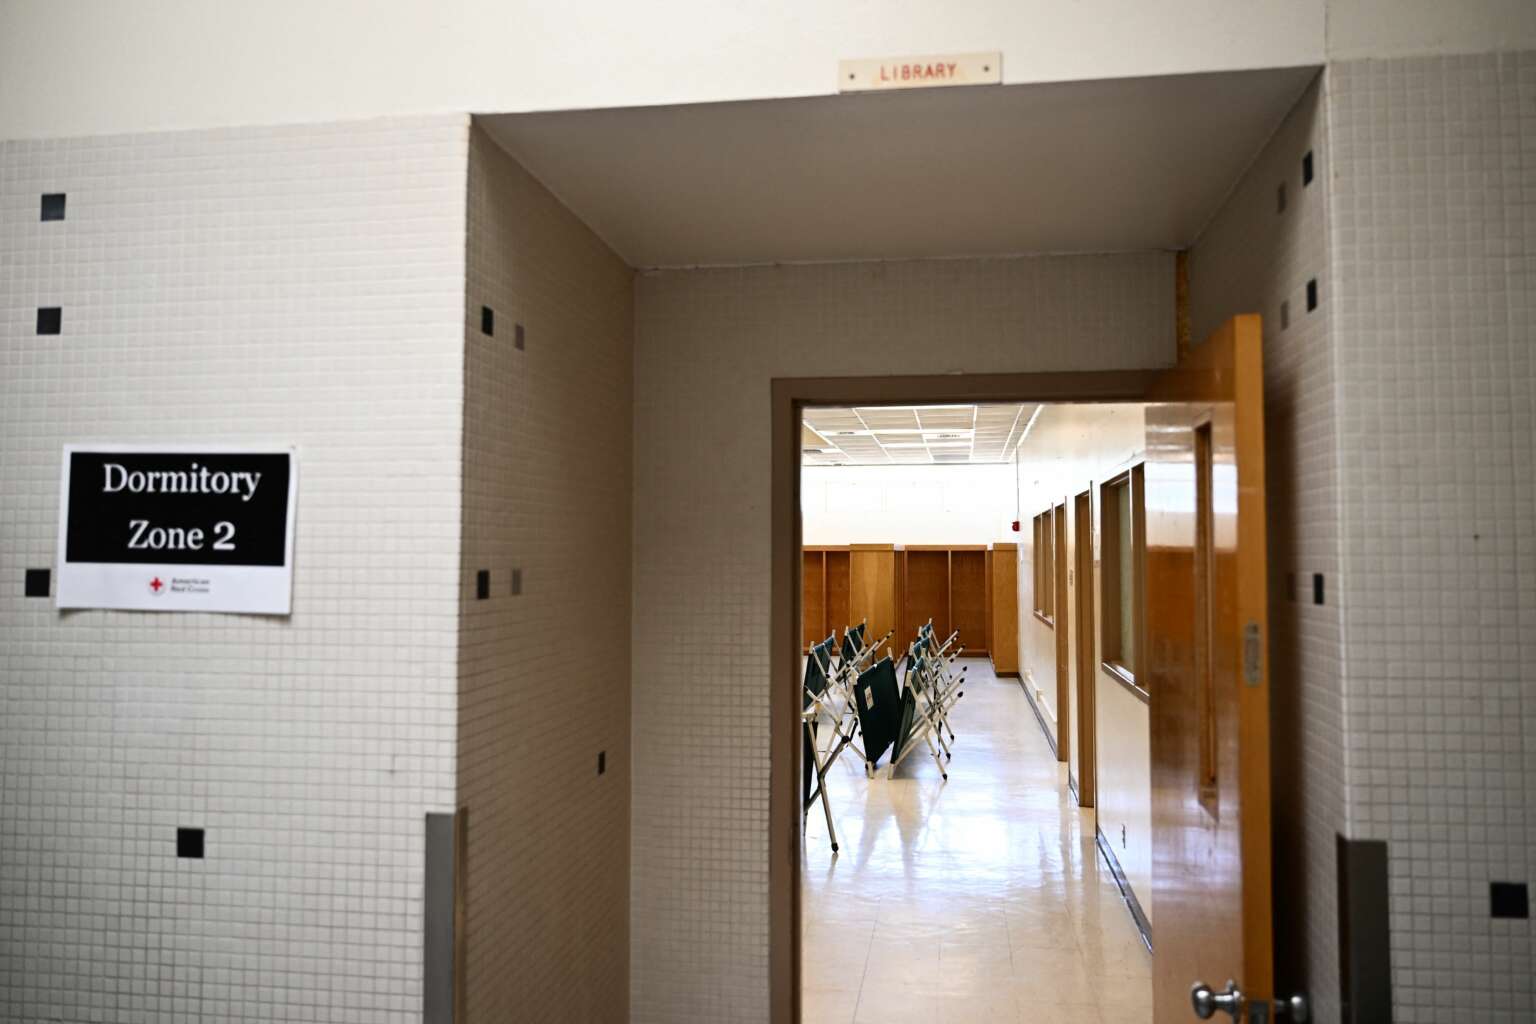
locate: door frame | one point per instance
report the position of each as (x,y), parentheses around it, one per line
(1061,628)
(789,396)
(1085,658)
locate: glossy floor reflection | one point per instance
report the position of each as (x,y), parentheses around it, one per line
(978,899)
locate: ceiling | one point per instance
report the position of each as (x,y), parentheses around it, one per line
(913,435)
(1115,165)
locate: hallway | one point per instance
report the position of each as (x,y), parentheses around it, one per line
(978,899)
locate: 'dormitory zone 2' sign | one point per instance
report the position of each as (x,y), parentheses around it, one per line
(184,528)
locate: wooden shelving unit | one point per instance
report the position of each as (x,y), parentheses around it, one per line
(970,587)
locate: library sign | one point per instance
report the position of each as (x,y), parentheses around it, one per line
(177,528)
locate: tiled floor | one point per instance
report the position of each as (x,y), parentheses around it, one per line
(977,899)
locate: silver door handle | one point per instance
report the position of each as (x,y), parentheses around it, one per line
(1297,1007)
(1207,1003)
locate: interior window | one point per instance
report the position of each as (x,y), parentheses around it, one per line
(1122,533)
(1045,565)
(1036,585)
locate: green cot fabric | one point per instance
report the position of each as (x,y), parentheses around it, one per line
(877,699)
(908,716)
(808,769)
(850,645)
(815,678)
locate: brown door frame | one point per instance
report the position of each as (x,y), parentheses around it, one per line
(1086,662)
(789,396)
(1061,632)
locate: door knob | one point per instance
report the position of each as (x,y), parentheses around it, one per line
(1207,1003)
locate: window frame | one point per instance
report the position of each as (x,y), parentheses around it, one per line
(1128,671)
(1035,571)
(1045,567)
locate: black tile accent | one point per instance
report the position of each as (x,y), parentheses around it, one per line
(1317,588)
(53,206)
(602,761)
(189,843)
(1311,295)
(1306,169)
(1509,899)
(518,340)
(1285,315)
(1280,198)
(517,582)
(50,320)
(487,320)
(1365,969)
(482,584)
(37,581)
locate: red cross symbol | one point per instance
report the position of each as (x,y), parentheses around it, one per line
(155,584)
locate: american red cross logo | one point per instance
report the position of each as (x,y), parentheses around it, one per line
(156,585)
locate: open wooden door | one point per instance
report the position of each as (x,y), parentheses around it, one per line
(1206,634)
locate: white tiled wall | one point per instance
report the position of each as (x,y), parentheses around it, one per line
(544,674)
(1434,210)
(708,344)
(299,285)
(1254,257)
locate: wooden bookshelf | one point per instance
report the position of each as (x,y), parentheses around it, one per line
(968,587)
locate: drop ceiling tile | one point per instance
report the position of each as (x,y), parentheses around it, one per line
(916,435)
(947,417)
(825,420)
(889,418)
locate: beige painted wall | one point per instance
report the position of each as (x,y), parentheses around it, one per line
(71,67)
(1124,812)
(1072,449)
(709,343)
(544,675)
(77,67)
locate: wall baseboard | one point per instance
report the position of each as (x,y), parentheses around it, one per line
(1050,737)
(1139,916)
(439,897)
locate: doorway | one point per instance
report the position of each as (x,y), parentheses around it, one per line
(1221,383)
(790,398)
